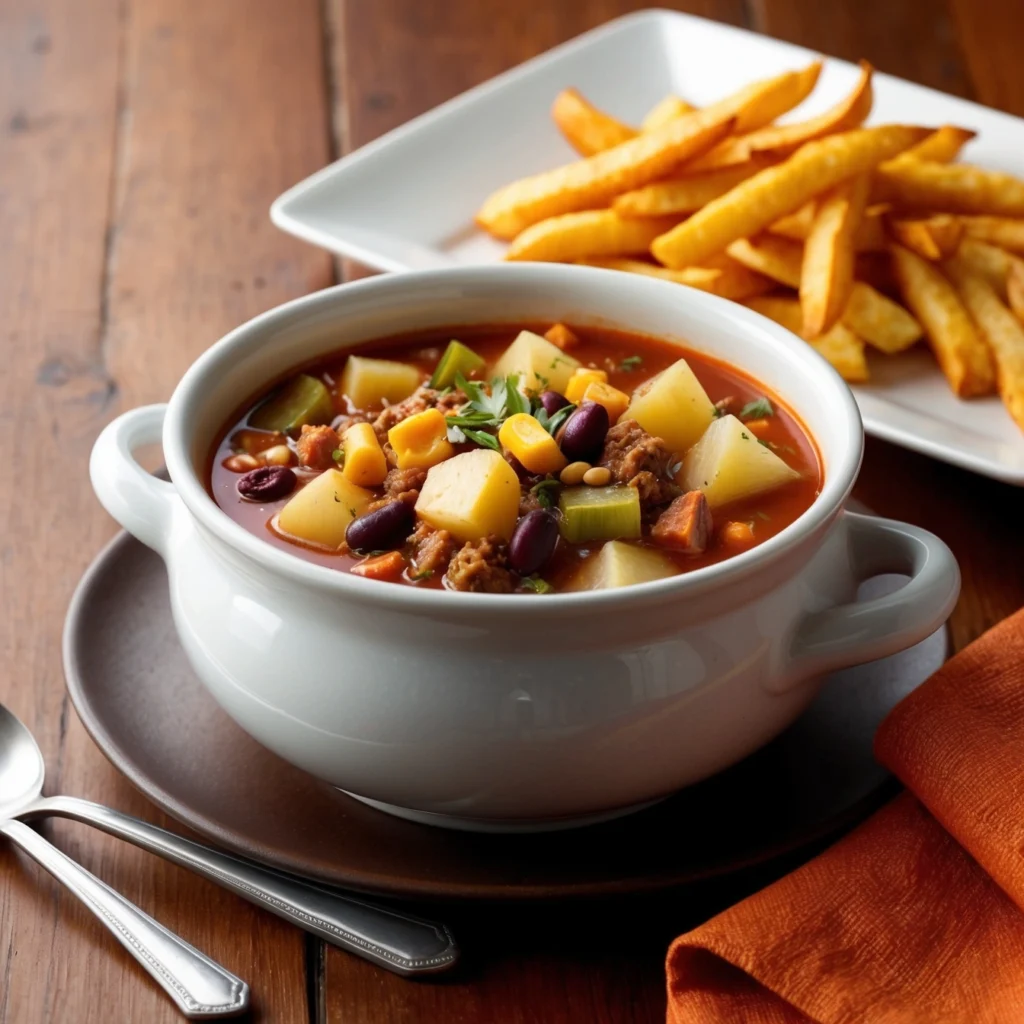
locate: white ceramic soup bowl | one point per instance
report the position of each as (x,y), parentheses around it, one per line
(511,712)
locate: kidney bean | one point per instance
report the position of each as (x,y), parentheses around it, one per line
(268,483)
(382,529)
(533,541)
(553,401)
(583,435)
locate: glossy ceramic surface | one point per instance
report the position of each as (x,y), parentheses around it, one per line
(505,712)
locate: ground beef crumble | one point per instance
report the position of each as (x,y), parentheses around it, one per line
(640,460)
(420,400)
(404,484)
(432,549)
(481,567)
(316,446)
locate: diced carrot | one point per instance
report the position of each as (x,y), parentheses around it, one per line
(560,335)
(381,567)
(736,534)
(757,427)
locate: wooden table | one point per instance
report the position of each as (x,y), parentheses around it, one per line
(141,142)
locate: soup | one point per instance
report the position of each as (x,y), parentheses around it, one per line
(516,460)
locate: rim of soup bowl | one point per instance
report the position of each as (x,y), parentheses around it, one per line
(844,457)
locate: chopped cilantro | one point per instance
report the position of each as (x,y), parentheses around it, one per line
(482,438)
(339,456)
(757,410)
(631,363)
(537,585)
(744,435)
(555,420)
(423,575)
(352,512)
(543,492)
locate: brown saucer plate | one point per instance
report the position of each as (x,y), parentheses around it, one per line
(130,682)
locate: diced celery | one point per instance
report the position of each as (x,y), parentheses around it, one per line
(303,399)
(456,359)
(599,513)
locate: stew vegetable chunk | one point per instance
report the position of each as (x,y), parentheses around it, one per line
(493,460)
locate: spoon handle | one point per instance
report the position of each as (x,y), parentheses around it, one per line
(400,942)
(199,986)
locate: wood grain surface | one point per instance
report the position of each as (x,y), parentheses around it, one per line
(141,142)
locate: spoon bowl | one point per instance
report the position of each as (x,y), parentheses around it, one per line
(21,766)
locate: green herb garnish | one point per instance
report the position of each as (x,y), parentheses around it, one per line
(757,410)
(537,585)
(543,492)
(482,438)
(424,575)
(555,420)
(339,456)
(631,363)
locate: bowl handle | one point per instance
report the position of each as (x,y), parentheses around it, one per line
(142,503)
(851,634)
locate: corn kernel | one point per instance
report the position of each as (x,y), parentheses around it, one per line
(614,400)
(580,380)
(365,463)
(421,441)
(531,444)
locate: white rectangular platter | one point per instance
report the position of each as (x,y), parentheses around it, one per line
(406,201)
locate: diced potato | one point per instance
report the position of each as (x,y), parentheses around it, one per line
(321,511)
(365,463)
(531,444)
(421,440)
(539,363)
(599,513)
(729,463)
(619,564)
(471,496)
(581,380)
(614,400)
(371,382)
(672,406)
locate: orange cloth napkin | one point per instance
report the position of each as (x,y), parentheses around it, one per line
(918,915)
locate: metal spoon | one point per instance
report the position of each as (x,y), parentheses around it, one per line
(400,942)
(199,986)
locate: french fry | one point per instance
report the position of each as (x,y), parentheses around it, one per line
(1015,290)
(775,257)
(952,188)
(882,323)
(727,279)
(875,269)
(991,262)
(1003,332)
(684,194)
(1005,232)
(850,112)
(574,236)
(587,129)
(764,102)
(960,351)
(827,275)
(755,203)
(942,146)
(840,346)
(592,183)
(795,225)
(932,238)
(667,110)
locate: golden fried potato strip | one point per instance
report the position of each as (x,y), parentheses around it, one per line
(587,129)
(827,275)
(574,236)
(882,323)
(776,257)
(932,238)
(840,346)
(942,146)
(951,188)
(1003,332)
(1006,232)
(961,352)
(685,194)
(755,203)
(666,110)
(726,278)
